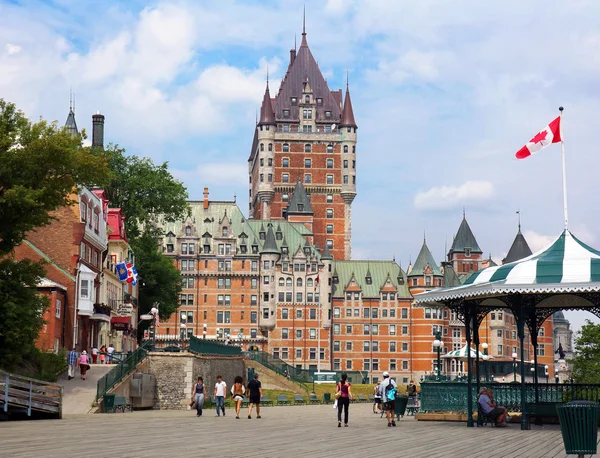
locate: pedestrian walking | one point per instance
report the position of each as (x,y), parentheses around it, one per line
(377,398)
(255,393)
(343,396)
(198,395)
(109,353)
(388,390)
(220,393)
(102,354)
(84,361)
(94,355)
(237,394)
(72,358)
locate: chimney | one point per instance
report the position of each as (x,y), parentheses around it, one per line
(98,130)
(292,56)
(205,198)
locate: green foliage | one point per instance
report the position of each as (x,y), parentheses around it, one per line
(40,166)
(586,364)
(21,310)
(44,366)
(160,279)
(144,191)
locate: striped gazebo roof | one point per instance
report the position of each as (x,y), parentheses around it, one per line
(567,266)
(462,354)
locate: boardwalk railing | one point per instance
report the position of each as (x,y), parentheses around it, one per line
(30,394)
(452,396)
(121,370)
(210,347)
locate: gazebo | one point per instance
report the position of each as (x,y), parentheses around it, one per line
(564,276)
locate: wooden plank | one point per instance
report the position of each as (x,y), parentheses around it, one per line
(53,400)
(20,384)
(34,404)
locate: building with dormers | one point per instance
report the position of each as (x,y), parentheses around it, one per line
(306,133)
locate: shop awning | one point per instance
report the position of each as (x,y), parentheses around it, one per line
(121,323)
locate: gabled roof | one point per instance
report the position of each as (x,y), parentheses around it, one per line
(299,203)
(302,69)
(424,262)
(379,270)
(464,239)
(518,250)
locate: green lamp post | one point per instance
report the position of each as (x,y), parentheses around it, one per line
(437,344)
(485,359)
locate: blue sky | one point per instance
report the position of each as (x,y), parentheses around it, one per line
(444,95)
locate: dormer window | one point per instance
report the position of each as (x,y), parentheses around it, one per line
(278,235)
(294,100)
(328,115)
(320,101)
(188,231)
(225,231)
(262,235)
(369,280)
(468,252)
(307,251)
(206,248)
(286,113)
(254,249)
(284,250)
(307,99)
(400,280)
(300,207)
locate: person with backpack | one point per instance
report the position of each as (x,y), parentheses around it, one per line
(389,390)
(343,396)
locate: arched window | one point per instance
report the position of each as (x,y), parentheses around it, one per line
(354,148)
(309,282)
(288,282)
(307,98)
(345,148)
(286,148)
(299,281)
(188,230)
(225,231)
(307,148)
(83,209)
(281,281)
(270,146)
(262,146)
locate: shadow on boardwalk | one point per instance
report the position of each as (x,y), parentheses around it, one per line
(298,431)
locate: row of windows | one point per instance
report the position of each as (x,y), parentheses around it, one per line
(89,214)
(370,313)
(308,148)
(372,329)
(384,296)
(285,314)
(286,197)
(367,345)
(285,353)
(285,162)
(222,299)
(371,364)
(91,256)
(310,297)
(428,281)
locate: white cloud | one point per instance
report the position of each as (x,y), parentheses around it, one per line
(424,66)
(538,241)
(216,173)
(448,197)
(12,49)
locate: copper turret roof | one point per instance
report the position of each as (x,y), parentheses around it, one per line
(348,113)
(266,110)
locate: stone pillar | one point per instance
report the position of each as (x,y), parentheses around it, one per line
(348,198)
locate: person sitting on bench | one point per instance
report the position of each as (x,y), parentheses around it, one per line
(491,409)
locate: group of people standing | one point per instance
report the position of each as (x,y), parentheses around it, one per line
(238,392)
(82,361)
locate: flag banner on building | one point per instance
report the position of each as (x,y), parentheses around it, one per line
(548,135)
(122,271)
(131,274)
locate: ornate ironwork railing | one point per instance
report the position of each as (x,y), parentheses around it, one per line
(452,396)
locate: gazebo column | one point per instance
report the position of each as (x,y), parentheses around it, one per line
(476,342)
(468,323)
(521,334)
(534,342)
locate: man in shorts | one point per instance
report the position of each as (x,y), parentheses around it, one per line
(255,393)
(388,391)
(491,409)
(377,398)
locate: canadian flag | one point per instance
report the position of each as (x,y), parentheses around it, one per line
(549,134)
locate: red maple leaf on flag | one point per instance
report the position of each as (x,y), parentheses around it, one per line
(539,137)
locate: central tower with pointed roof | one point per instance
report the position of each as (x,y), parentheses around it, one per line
(306,133)
(465,254)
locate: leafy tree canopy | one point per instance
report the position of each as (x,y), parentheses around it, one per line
(144,191)
(586,364)
(40,167)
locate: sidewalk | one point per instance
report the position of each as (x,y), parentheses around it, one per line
(78,395)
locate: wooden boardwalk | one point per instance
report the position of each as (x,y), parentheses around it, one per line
(297,431)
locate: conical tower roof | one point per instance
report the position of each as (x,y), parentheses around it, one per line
(299,203)
(518,250)
(464,239)
(326,255)
(267,116)
(348,112)
(450,277)
(425,261)
(270,246)
(70,124)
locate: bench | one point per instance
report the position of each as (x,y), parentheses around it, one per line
(298,399)
(371,398)
(283,400)
(245,401)
(121,404)
(313,399)
(541,410)
(483,418)
(361,398)
(265,401)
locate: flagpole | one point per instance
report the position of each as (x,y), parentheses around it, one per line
(564,173)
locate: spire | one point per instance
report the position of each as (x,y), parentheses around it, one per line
(70,124)
(518,250)
(464,239)
(348,112)
(267,116)
(424,262)
(326,255)
(304,43)
(299,203)
(519,218)
(270,246)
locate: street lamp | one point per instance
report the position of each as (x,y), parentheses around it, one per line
(182,332)
(154,312)
(514,357)
(485,358)
(218,329)
(546,372)
(532,370)
(437,344)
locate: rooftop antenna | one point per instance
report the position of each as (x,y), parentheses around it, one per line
(347,78)
(70,99)
(304,21)
(424,237)
(464,213)
(267,73)
(294,42)
(519,219)
(234,197)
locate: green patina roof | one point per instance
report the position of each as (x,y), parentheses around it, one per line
(450,277)
(300,202)
(464,239)
(424,259)
(270,245)
(380,272)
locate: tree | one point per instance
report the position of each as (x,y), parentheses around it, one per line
(586,364)
(144,191)
(41,166)
(160,279)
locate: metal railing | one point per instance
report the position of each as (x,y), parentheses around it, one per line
(29,394)
(452,396)
(210,347)
(121,370)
